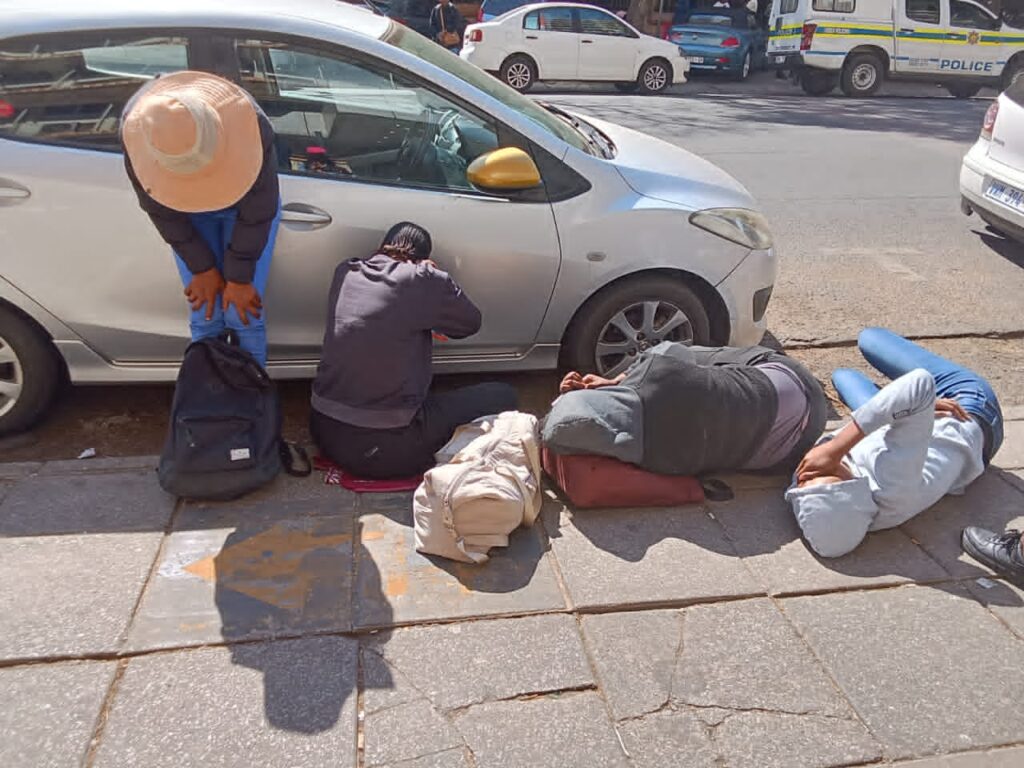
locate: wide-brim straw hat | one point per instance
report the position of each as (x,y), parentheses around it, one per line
(194,141)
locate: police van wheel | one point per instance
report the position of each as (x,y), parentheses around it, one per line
(817,83)
(862,75)
(962,90)
(1013,71)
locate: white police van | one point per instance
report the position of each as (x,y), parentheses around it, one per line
(859,43)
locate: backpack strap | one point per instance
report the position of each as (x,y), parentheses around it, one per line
(289,453)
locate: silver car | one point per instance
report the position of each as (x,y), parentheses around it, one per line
(626,240)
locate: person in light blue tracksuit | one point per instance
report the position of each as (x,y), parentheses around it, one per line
(930,432)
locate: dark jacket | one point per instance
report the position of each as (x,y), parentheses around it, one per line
(256,212)
(453,21)
(375,368)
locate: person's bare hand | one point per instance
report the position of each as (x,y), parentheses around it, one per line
(947,407)
(593,381)
(571,383)
(820,461)
(245,299)
(203,289)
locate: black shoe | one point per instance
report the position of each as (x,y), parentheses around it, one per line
(1000,552)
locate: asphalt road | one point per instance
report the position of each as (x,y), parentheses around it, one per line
(862,196)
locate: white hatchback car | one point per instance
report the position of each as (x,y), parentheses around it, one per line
(992,174)
(572,43)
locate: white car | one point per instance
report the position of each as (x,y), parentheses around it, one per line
(572,43)
(992,174)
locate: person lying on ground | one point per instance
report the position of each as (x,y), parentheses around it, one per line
(682,410)
(372,412)
(930,432)
(1002,552)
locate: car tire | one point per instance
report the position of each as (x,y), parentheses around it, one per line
(627,87)
(1013,70)
(862,75)
(655,76)
(519,72)
(630,299)
(817,83)
(962,90)
(30,373)
(745,66)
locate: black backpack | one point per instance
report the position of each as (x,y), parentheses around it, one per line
(224,439)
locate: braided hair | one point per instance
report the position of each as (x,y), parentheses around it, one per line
(407,242)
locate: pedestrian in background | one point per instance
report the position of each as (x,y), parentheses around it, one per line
(200,154)
(447,25)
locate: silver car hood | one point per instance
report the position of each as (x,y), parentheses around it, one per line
(662,171)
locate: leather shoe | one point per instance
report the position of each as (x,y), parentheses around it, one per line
(999,551)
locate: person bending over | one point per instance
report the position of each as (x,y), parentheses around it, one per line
(930,432)
(372,412)
(682,410)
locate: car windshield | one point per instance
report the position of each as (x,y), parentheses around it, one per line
(558,125)
(709,20)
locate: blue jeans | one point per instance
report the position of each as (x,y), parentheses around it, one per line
(215,228)
(894,356)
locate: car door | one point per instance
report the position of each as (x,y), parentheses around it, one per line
(920,36)
(972,26)
(362,145)
(550,37)
(608,47)
(74,237)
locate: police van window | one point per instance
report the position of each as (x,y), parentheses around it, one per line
(972,16)
(789,6)
(836,6)
(925,11)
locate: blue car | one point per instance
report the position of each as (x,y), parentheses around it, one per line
(731,40)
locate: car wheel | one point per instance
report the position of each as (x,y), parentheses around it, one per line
(1013,70)
(655,77)
(744,71)
(29,373)
(519,72)
(817,83)
(627,87)
(619,324)
(962,90)
(862,75)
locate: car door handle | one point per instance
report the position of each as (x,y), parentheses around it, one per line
(300,213)
(531,37)
(587,42)
(906,29)
(11,192)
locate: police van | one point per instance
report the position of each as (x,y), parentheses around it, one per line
(857,44)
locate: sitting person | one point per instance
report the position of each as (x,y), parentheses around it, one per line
(930,432)
(683,410)
(372,412)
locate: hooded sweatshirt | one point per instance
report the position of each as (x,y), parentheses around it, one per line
(906,462)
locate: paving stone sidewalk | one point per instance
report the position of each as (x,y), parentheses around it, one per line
(298,627)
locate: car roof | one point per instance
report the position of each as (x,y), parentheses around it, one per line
(26,17)
(565,4)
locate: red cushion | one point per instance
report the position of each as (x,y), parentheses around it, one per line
(335,475)
(596,481)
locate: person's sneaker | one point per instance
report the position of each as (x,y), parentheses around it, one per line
(999,551)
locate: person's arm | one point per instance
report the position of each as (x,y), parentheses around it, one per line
(256,213)
(435,22)
(454,314)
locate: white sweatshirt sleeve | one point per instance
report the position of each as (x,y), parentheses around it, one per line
(903,399)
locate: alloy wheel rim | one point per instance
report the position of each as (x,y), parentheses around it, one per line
(864,76)
(655,78)
(636,328)
(518,75)
(12,377)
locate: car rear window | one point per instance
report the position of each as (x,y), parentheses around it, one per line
(72,89)
(709,20)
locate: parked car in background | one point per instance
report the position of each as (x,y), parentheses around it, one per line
(582,242)
(992,174)
(731,40)
(572,43)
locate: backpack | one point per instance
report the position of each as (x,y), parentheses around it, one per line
(224,439)
(489,486)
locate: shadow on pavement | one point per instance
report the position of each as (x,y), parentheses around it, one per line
(1009,249)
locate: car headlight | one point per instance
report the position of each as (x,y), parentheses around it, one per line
(740,225)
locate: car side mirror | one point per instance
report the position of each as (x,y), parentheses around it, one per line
(508,169)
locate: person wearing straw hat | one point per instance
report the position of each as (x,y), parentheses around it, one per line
(200,154)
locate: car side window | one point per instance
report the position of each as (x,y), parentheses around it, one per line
(596,22)
(972,16)
(550,20)
(835,6)
(788,6)
(340,116)
(71,89)
(924,11)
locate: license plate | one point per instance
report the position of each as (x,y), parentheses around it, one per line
(779,59)
(695,59)
(1005,194)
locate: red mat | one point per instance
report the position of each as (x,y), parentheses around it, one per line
(335,475)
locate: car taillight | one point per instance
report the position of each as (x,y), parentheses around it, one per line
(6,110)
(808,36)
(986,127)
(476,35)
(731,42)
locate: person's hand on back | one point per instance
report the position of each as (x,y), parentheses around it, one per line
(203,290)
(245,299)
(944,407)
